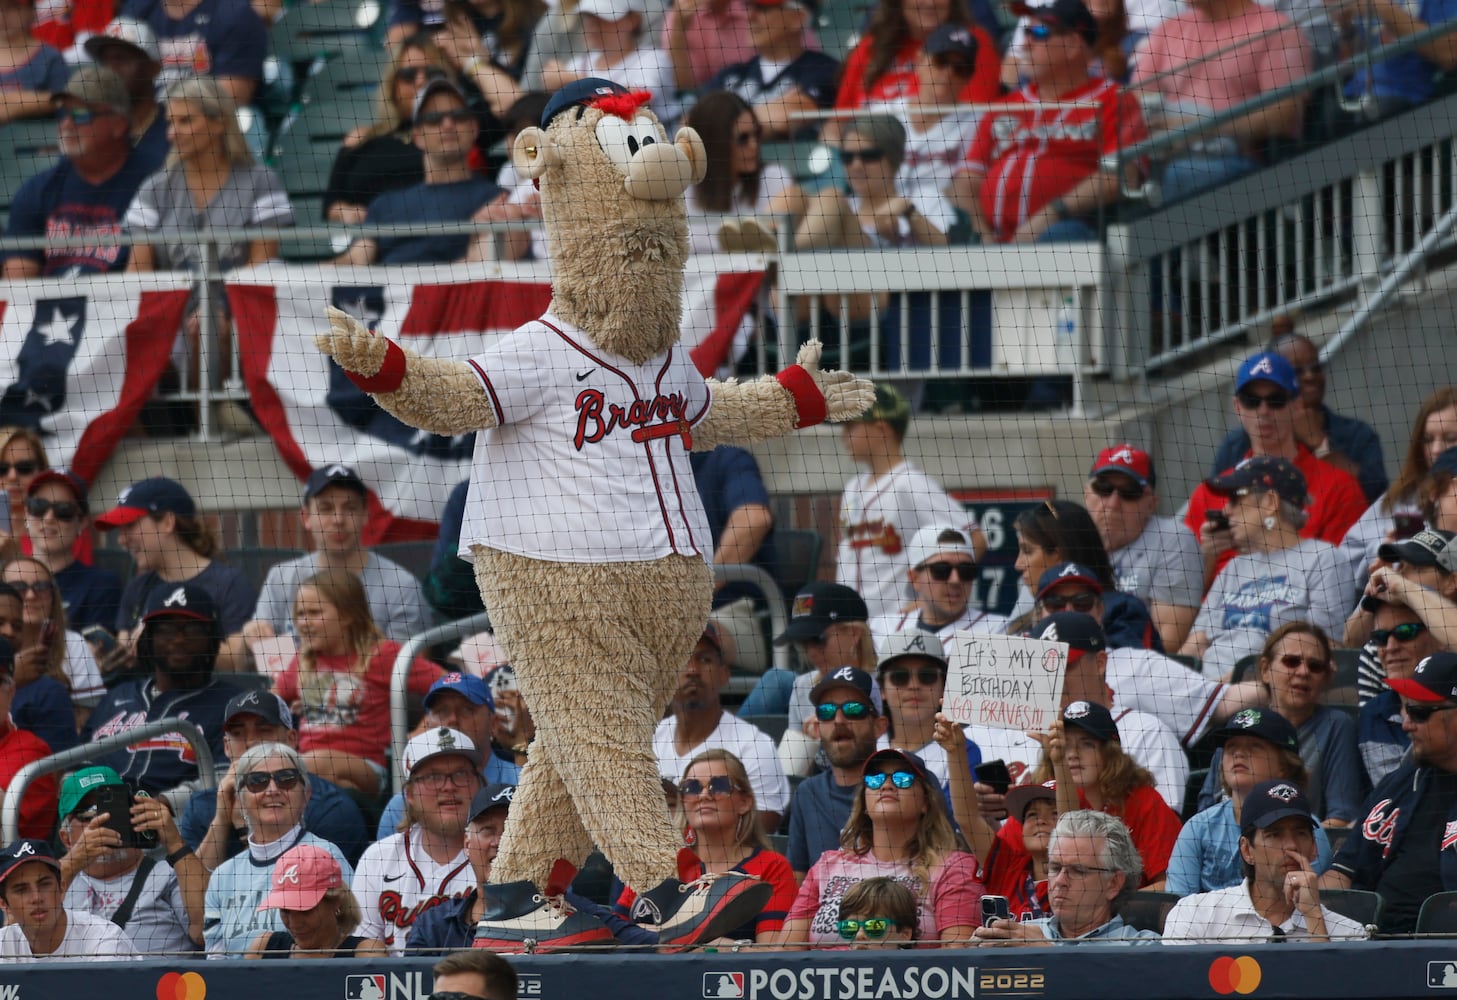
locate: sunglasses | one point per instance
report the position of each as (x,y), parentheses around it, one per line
(1106,489)
(941,571)
(900,779)
(80,116)
(865,156)
(954,63)
(899,677)
(40,588)
(1075,602)
(743,139)
(285,778)
(414,74)
(1042,32)
(714,787)
(875,928)
(26,468)
(456,116)
(1292,661)
(65,510)
(1424,713)
(1252,400)
(1405,632)
(854,711)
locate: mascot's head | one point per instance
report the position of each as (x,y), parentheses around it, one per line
(612,203)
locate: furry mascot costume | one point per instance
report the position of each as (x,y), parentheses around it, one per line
(586,532)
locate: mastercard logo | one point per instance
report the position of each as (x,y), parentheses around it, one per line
(1231,975)
(181,986)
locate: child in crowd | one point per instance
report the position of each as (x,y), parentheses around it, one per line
(877,914)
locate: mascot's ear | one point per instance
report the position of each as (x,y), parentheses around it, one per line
(691,146)
(534,152)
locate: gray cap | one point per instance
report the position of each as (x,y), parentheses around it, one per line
(97,85)
(436,85)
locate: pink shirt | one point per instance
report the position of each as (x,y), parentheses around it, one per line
(1260,65)
(714,40)
(953,900)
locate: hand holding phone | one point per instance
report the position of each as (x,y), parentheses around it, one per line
(994,908)
(1218,520)
(995,775)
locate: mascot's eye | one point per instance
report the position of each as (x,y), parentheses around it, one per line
(621,140)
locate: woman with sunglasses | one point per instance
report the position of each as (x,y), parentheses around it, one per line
(47,647)
(317,908)
(56,518)
(270,782)
(898,827)
(22,458)
(1276,575)
(876,914)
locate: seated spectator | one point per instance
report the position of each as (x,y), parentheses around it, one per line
(898,827)
(65,24)
(702,37)
(1085,757)
(452,924)
(48,647)
(1016,184)
(463,703)
(339,682)
(485,43)
(177,644)
(1274,903)
(1155,559)
(273,788)
(1256,745)
(1402,640)
(912,676)
(157,522)
(1296,668)
(22,458)
(878,913)
(738,181)
(33,70)
(943,576)
(1117,35)
(158,903)
(619,49)
(317,909)
(780,77)
(1092,869)
(1209,59)
(559,39)
(129,49)
(697,721)
(214,825)
(37,924)
(41,707)
(529,241)
(19,748)
(226,41)
(1277,576)
(1349,444)
(88,190)
(444,129)
(1071,586)
(335,511)
(57,516)
(476,973)
(1402,81)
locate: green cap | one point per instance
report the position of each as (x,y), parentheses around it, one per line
(889,406)
(79,784)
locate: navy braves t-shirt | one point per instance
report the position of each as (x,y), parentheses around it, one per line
(59,203)
(219,38)
(429,203)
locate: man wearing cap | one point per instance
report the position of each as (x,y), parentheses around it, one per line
(1418,573)
(227,41)
(1402,640)
(1156,559)
(334,513)
(37,925)
(88,190)
(1266,401)
(158,903)
(912,679)
(425,864)
(213,823)
(452,924)
(128,47)
(697,722)
(848,721)
(1072,586)
(178,645)
(1279,899)
(883,507)
(782,77)
(464,703)
(19,747)
(943,575)
(444,129)
(1021,182)
(56,515)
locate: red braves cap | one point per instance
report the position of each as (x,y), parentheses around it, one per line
(1126,460)
(301,876)
(65,477)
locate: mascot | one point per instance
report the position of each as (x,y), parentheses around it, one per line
(583,524)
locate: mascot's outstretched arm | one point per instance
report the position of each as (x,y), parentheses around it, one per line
(800,396)
(442,397)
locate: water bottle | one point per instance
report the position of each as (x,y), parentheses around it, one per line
(1067,335)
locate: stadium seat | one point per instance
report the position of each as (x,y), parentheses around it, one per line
(1438,914)
(1146,909)
(779,843)
(1342,688)
(1360,905)
(1244,669)
(17,168)
(117,561)
(362,70)
(303,160)
(414,556)
(1192,786)
(797,552)
(839,24)
(256,562)
(321,31)
(771,725)
(308,211)
(32,136)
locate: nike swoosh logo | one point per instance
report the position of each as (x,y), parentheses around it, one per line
(584,374)
(393,878)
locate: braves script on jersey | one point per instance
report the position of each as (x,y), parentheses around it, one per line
(396,881)
(589,462)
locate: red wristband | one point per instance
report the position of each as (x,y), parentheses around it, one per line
(808,399)
(389,376)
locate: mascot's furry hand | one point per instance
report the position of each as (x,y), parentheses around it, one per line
(372,362)
(845,396)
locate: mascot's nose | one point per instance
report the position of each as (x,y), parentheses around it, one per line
(659,171)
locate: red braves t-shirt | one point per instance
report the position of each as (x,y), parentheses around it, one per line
(1031,154)
(1008,872)
(1151,823)
(899,79)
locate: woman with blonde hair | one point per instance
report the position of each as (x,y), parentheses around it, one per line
(22,458)
(339,682)
(46,648)
(318,910)
(898,827)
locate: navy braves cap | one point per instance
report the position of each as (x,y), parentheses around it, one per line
(468,686)
(1264,472)
(899,756)
(1082,633)
(333,475)
(494,796)
(183,600)
(583,91)
(1267,366)
(850,677)
(265,704)
(23,852)
(1091,718)
(1068,572)
(952,39)
(818,606)
(1434,680)
(1271,801)
(1264,723)
(157,495)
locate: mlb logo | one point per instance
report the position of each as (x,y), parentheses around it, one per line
(364,987)
(1442,975)
(723,984)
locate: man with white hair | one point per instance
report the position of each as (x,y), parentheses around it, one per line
(943,575)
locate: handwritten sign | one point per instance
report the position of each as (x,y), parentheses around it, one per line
(1004,681)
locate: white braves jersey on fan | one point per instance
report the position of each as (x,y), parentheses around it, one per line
(1164,687)
(877,522)
(589,461)
(396,881)
(971,620)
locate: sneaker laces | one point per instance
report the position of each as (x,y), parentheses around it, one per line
(703,882)
(557,902)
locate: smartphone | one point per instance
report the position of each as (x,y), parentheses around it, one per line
(994,908)
(116,800)
(994,774)
(99,637)
(1408,525)
(1218,519)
